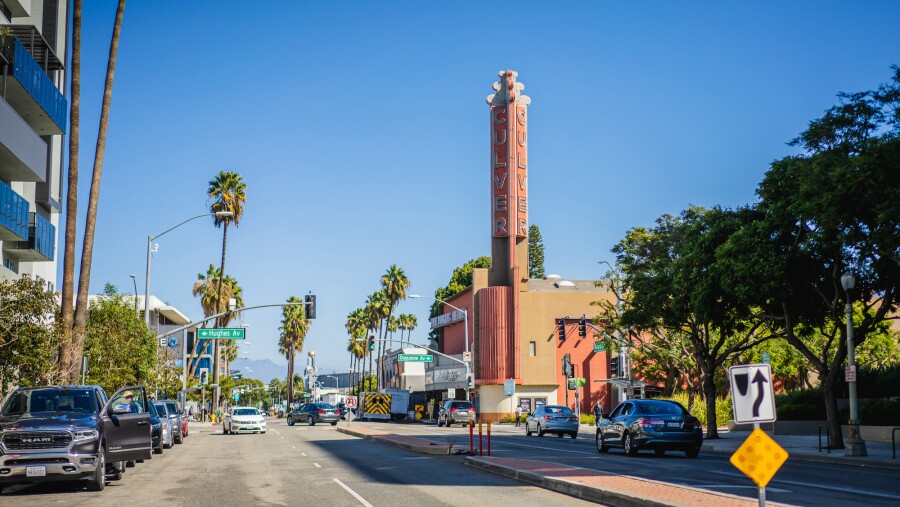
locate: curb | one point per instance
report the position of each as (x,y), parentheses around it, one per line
(582,491)
(433,448)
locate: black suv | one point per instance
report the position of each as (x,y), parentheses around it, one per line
(58,433)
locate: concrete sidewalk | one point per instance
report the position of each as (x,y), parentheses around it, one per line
(406,442)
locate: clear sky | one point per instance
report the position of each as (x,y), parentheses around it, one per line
(361,130)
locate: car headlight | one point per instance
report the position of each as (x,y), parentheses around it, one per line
(86,435)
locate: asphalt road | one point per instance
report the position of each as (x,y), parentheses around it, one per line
(297,465)
(797,482)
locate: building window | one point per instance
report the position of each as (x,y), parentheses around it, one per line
(539,402)
(8,264)
(532,348)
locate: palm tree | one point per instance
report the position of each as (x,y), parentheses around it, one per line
(227,191)
(356,328)
(408,322)
(207,287)
(67,309)
(74,349)
(294,327)
(376,311)
(394,283)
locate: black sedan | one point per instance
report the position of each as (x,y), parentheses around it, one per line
(659,425)
(312,413)
(155,429)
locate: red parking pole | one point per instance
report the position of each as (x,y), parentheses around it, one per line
(489,438)
(471,437)
(480,439)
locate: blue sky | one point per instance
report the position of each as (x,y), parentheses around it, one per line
(361,130)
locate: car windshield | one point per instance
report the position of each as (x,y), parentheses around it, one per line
(161,408)
(660,408)
(172,406)
(558,410)
(325,406)
(31,401)
(462,404)
(246,411)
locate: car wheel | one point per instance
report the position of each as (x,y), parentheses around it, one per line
(659,452)
(290,421)
(130,464)
(540,432)
(560,435)
(168,444)
(98,480)
(527,430)
(628,445)
(693,452)
(159,449)
(574,435)
(115,473)
(310,421)
(334,423)
(180,439)
(601,447)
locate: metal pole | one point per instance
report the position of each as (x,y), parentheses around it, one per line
(762,490)
(147,284)
(857,446)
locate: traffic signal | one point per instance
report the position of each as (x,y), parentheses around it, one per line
(561,329)
(371,342)
(204,376)
(582,328)
(614,366)
(310,300)
(567,368)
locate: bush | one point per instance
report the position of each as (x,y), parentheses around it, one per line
(588,419)
(803,405)
(512,418)
(877,412)
(724,410)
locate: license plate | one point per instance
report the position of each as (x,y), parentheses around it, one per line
(462,412)
(673,424)
(35,471)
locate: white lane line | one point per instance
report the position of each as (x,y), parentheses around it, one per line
(354,493)
(302,453)
(317,465)
(820,486)
(294,447)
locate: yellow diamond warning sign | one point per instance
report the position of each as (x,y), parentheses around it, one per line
(759,457)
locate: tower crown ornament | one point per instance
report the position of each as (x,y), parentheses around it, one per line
(508,90)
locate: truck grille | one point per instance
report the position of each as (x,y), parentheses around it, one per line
(24,440)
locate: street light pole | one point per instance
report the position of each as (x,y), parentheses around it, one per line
(624,355)
(217,214)
(465,334)
(856,446)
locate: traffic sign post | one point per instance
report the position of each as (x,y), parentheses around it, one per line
(211,333)
(751,393)
(759,457)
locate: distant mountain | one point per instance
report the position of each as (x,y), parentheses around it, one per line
(266,369)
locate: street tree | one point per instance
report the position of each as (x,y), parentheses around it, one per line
(207,287)
(226,192)
(535,252)
(460,279)
(28,340)
(294,326)
(72,344)
(376,312)
(394,284)
(356,329)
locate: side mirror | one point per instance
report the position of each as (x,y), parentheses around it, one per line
(121,409)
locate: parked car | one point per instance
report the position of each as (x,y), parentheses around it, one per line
(65,433)
(156,429)
(179,423)
(247,419)
(168,427)
(342,408)
(312,413)
(552,419)
(660,425)
(456,411)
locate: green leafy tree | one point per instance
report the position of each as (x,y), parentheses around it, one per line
(120,349)
(28,338)
(535,252)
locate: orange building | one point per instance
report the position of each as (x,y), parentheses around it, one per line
(512,319)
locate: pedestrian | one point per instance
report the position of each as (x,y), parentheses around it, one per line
(598,413)
(518,415)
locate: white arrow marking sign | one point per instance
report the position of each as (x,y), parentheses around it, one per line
(751,393)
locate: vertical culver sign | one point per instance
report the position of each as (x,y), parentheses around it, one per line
(509,157)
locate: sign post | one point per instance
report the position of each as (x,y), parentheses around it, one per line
(753,400)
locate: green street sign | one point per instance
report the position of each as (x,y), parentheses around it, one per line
(307,395)
(415,358)
(599,346)
(211,333)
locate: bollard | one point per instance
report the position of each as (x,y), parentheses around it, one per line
(489,438)
(471,438)
(480,439)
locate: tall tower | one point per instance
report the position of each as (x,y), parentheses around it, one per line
(509,182)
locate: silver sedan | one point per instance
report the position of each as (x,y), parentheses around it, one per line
(552,419)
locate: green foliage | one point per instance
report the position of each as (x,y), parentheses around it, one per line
(368,384)
(120,349)
(801,405)
(587,419)
(535,252)
(28,341)
(724,410)
(876,412)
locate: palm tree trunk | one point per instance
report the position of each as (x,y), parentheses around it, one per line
(219,307)
(68,300)
(290,379)
(87,249)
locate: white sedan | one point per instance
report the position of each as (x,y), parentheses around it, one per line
(243,419)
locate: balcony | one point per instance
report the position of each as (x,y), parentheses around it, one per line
(39,246)
(23,154)
(13,215)
(26,85)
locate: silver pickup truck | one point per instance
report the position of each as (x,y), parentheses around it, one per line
(57,433)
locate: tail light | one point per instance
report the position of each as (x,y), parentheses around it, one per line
(648,423)
(320,412)
(546,417)
(698,426)
(453,409)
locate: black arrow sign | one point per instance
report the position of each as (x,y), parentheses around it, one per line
(759,379)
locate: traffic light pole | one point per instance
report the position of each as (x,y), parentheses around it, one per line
(627,353)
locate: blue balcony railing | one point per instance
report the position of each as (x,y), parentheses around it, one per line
(35,81)
(42,236)
(13,212)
